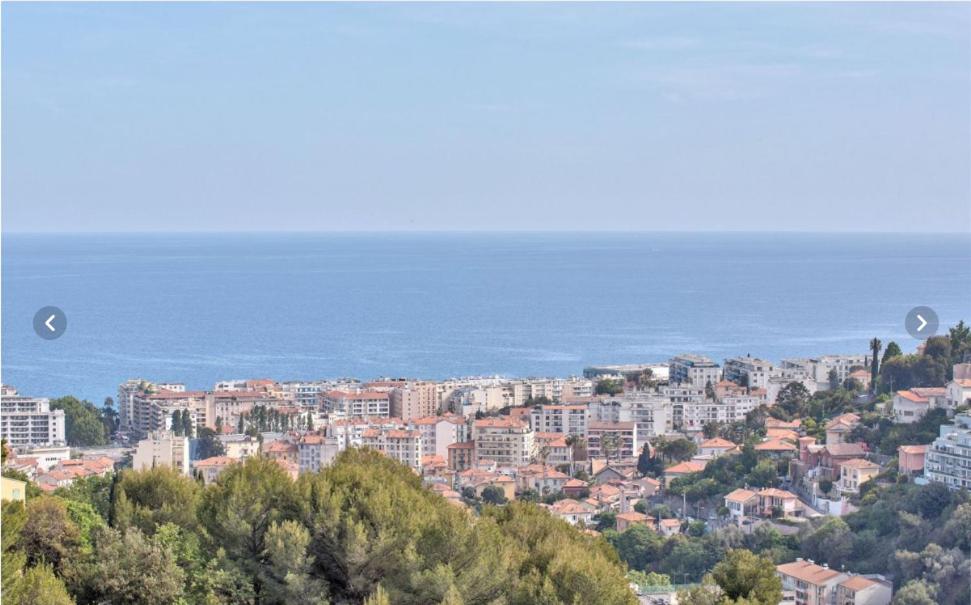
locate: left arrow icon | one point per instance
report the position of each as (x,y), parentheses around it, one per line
(50,323)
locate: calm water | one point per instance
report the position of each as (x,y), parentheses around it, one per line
(199,308)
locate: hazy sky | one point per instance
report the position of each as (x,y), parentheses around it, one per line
(510,116)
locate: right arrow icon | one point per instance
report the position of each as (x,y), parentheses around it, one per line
(923,322)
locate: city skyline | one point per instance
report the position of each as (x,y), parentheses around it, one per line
(654,117)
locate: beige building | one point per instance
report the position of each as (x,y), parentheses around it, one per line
(13,490)
(507,441)
(854,473)
(162,448)
(414,400)
(621,436)
(805,583)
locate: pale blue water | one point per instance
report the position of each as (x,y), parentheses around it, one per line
(200,308)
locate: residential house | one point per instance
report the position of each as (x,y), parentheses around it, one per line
(741,503)
(860,590)
(854,473)
(774,501)
(910,459)
(682,469)
(573,511)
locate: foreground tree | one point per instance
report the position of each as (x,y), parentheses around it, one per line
(745,575)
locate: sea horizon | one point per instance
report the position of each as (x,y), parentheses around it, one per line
(200,307)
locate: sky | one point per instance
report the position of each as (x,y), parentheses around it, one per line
(319,117)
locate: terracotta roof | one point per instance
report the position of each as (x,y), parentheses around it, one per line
(685,467)
(772,492)
(575,483)
(633,516)
(569,506)
(741,495)
(215,461)
(964,383)
(912,396)
(402,434)
(775,445)
(671,522)
(617,426)
(858,583)
(808,572)
(717,442)
(500,423)
(913,449)
(859,463)
(462,445)
(854,450)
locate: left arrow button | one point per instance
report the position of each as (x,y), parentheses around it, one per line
(50,323)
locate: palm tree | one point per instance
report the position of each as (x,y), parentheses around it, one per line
(578,445)
(609,443)
(875,346)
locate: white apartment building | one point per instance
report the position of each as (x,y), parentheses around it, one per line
(693,369)
(162,448)
(402,445)
(749,371)
(504,440)
(948,459)
(29,421)
(359,404)
(651,412)
(568,419)
(439,432)
(817,369)
(730,408)
(681,395)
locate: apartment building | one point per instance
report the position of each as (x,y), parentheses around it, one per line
(749,371)
(162,448)
(681,395)
(439,432)
(693,369)
(568,419)
(29,421)
(359,404)
(315,452)
(948,458)
(805,583)
(402,445)
(411,400)
(651,412)
(144,407)
(555,448)
(620,437)
(507,441)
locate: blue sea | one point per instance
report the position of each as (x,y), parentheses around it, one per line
(197,308)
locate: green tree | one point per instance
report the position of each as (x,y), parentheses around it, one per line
(745,575)
(39,586)
(208,445)
(875,346)
(95,490)
(150,498)
(83,425)
(288,575)
(238,510)
(676,450)
(48,535)
(793,399)
(610,386)
(493,494)
(128,568)
(916,592)
(892,350)
(13,519)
